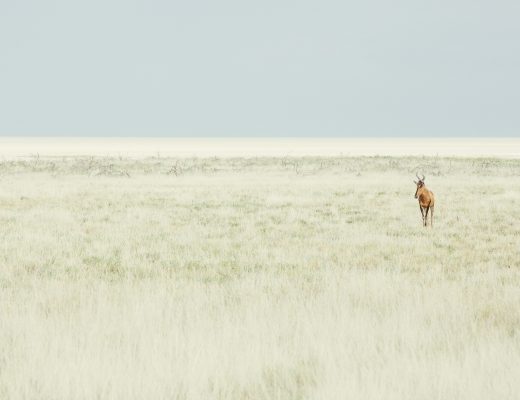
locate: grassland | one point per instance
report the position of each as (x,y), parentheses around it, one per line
(258,278)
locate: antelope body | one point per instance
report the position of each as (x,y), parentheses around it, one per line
(426,200)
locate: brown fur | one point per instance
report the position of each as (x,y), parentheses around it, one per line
(426,201)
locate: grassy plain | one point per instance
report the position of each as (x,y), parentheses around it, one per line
(258,278)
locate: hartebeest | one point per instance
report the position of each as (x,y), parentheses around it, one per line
(426,200)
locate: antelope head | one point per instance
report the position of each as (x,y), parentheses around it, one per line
(420,183)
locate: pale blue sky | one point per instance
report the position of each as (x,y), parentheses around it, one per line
(265,68)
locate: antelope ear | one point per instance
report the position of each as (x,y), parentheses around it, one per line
(415,182)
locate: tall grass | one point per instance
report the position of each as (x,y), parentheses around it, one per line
(261,278)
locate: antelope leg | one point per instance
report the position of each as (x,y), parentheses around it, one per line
(426,216)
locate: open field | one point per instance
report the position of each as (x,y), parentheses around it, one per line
(258,278)
(16,147)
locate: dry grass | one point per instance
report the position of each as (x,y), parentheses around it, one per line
(261,278)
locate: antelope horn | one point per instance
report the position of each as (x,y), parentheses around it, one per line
(417,176)
(423,178)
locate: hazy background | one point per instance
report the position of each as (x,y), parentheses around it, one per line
(269,68)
